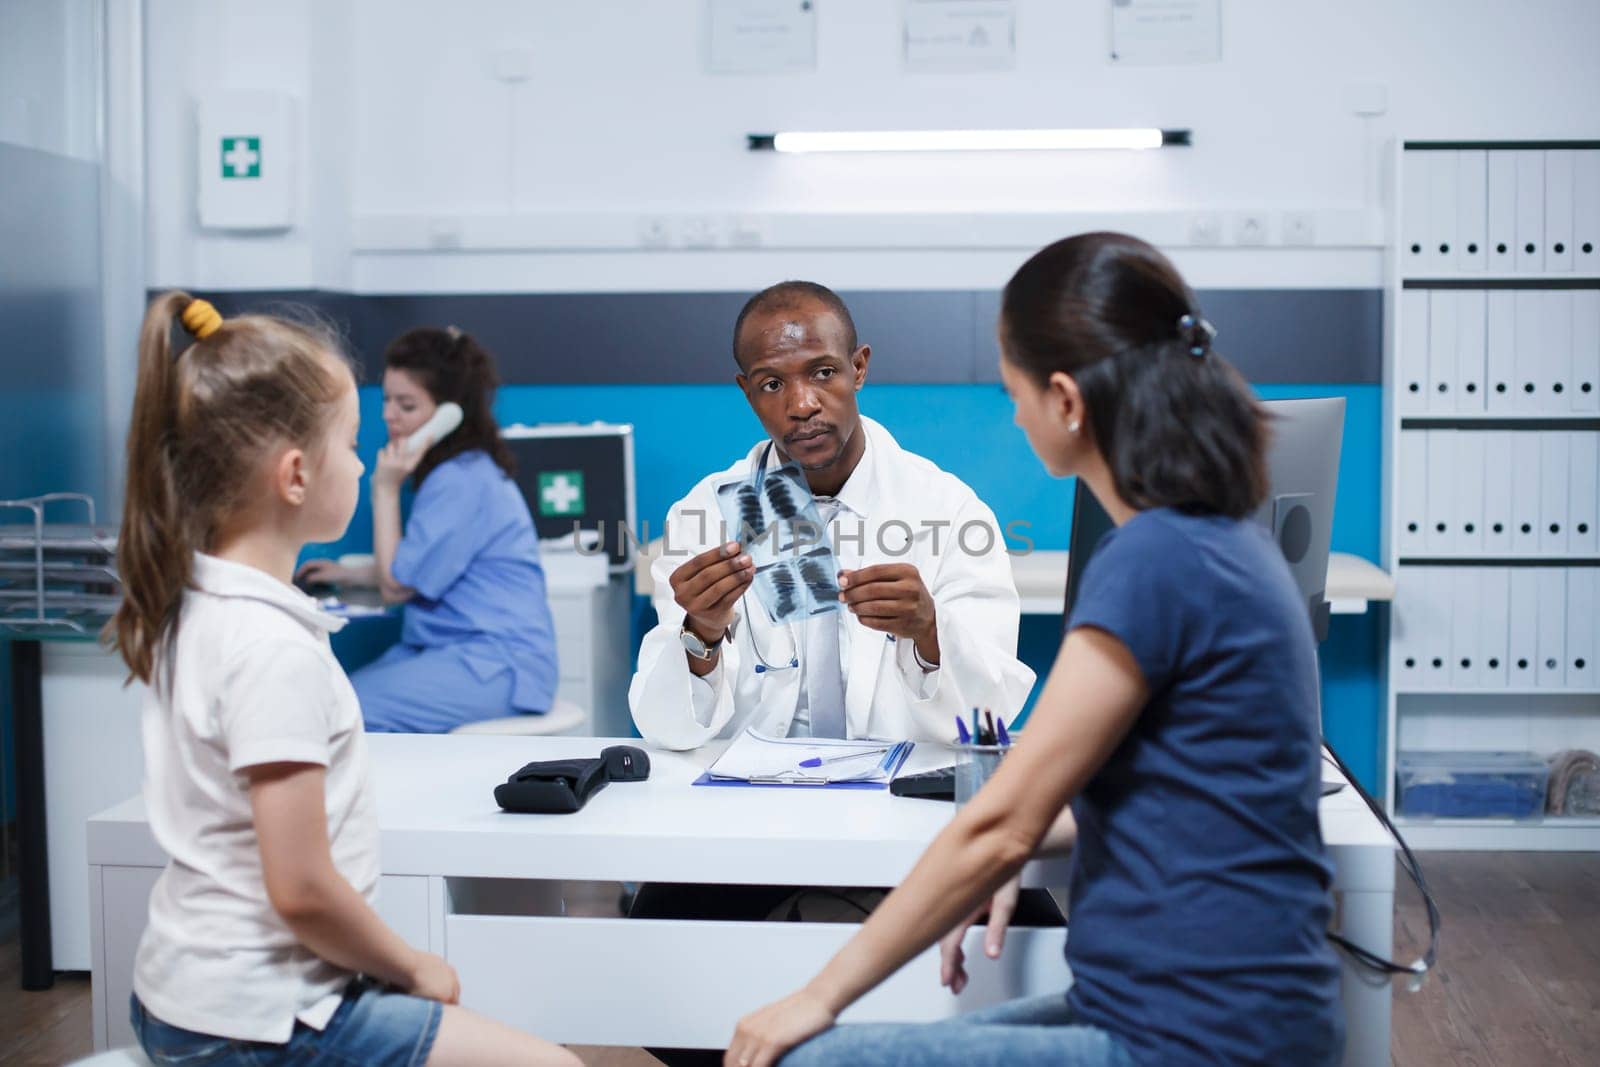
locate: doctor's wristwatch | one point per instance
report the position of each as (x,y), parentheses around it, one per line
(697,646)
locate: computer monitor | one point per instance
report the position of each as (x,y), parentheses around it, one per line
(1303,468)
(579,476)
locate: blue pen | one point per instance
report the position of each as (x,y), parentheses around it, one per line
(977,730)
(962,736)
(817,761)
(1005,738)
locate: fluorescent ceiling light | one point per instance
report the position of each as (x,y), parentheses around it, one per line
(966,140)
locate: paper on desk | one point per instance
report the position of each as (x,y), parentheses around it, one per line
(754,757)
(334,606)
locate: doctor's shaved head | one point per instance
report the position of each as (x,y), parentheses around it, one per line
(800,366)
(793,296)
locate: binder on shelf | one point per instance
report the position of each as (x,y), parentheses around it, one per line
(1443,326)
(1411,491)
(1583,519)
(1552,655)
(1472,211)
(1586,211)
(1465,616)
(1494,608)
(1414,181)
(1469,465)
(1440,536)
(1434,638)
(1585,391)
(1527,396)
(1554,503)
(1471,341)
(1530,211)
(1407,620)
(1500,351)
(1497,476)
(1525,493)
(1522,632)
(1411,370)
(1502,212)
(1583,585)
(1556,345)
(1440,257)
(1558,178)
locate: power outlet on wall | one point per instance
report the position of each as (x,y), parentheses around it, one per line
(745,231)
(655,231)
(1299,228)
(1250,228)
(700,231)
(1205,230)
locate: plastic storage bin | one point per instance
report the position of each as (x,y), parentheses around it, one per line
(1472,784)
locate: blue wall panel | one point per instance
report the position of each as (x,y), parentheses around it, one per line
(683,432)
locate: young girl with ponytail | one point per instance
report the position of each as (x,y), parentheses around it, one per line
(478,641)
(1179,723)
(262,945)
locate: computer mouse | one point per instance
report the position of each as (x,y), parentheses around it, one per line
(624,763)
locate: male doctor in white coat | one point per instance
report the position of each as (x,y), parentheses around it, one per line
(931,626)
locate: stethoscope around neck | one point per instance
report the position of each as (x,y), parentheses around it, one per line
(763,665)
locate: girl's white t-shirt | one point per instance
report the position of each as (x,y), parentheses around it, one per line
(248,679)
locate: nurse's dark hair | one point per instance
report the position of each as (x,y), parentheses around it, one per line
(204,421)
(452,366)
(1176,423)
(793,296)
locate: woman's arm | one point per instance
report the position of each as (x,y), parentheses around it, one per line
(393,467)
(1091,699)
(323,910)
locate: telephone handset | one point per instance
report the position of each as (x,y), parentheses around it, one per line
(443,423)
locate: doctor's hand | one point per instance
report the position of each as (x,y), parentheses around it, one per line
(764,1036)
(709,586)
(394,466)
(952,960)
(892,599)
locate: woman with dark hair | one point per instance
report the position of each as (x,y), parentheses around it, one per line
(1179,724)
(477,642)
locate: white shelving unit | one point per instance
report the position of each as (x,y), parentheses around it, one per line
(1460,229)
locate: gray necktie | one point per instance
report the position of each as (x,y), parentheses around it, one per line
(824,677)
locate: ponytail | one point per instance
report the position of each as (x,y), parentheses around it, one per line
(154,556)
(1176,423)
(1177,430)
(203,420)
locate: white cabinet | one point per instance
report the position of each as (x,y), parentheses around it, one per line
(1491,643)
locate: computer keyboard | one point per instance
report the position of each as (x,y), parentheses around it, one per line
(939,784)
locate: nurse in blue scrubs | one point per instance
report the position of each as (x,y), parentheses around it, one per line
(477,641)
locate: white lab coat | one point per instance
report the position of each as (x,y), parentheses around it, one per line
(887,693)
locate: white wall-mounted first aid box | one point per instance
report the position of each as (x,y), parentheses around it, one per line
(247,154)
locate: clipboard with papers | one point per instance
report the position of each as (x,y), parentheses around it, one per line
(757,760)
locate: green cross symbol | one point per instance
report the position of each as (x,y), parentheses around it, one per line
(560,493)
(241,157)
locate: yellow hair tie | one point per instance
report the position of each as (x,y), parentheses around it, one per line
(201,319)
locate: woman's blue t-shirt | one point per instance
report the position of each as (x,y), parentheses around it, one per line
(1200,886)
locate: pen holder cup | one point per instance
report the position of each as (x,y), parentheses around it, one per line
(975,764)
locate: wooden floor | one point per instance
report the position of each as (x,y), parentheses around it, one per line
(1518,979)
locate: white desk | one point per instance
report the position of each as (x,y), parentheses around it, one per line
(1041,579)
(457,874)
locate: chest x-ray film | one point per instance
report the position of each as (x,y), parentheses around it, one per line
(774,516)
